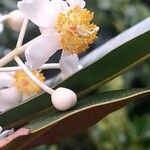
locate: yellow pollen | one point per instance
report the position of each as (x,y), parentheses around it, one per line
(76,29)
(25,85)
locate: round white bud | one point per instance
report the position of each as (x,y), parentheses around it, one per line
(63,99)
(6,80)
(15,20)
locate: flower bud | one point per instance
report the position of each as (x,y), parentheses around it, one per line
(63,99)
(15,20)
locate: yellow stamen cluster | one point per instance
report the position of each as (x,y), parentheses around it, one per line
(25,85)
(76,30)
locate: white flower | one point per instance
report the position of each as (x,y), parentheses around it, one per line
(15,86)
(9,95)
(15,20)
(1,24)
(59,30)
(5,133)
(44,13)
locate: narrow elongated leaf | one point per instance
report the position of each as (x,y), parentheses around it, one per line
(53,125)
(120,54)
(124,52)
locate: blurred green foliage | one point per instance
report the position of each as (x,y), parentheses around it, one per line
(117,132)
(129,128)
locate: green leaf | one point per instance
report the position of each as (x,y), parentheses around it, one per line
(107,62)
(124,52)
(54,125)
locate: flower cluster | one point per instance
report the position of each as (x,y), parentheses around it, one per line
(64,25)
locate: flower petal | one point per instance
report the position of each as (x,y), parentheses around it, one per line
(46,31)
(6,80)
(74,3)
(69,64)
(41,12)
(40,50)
(9,98)
(64,4)
(6,133)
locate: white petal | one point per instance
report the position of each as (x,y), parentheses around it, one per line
(40,50)
(74,3)
(6,133)
(1,24)
(9,97)
(28,1)
(47,31)
(64,4)
(6,80)
(41,12)
(69,64)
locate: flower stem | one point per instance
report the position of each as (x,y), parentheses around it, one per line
(37,81)
(17,68)
(17,51)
